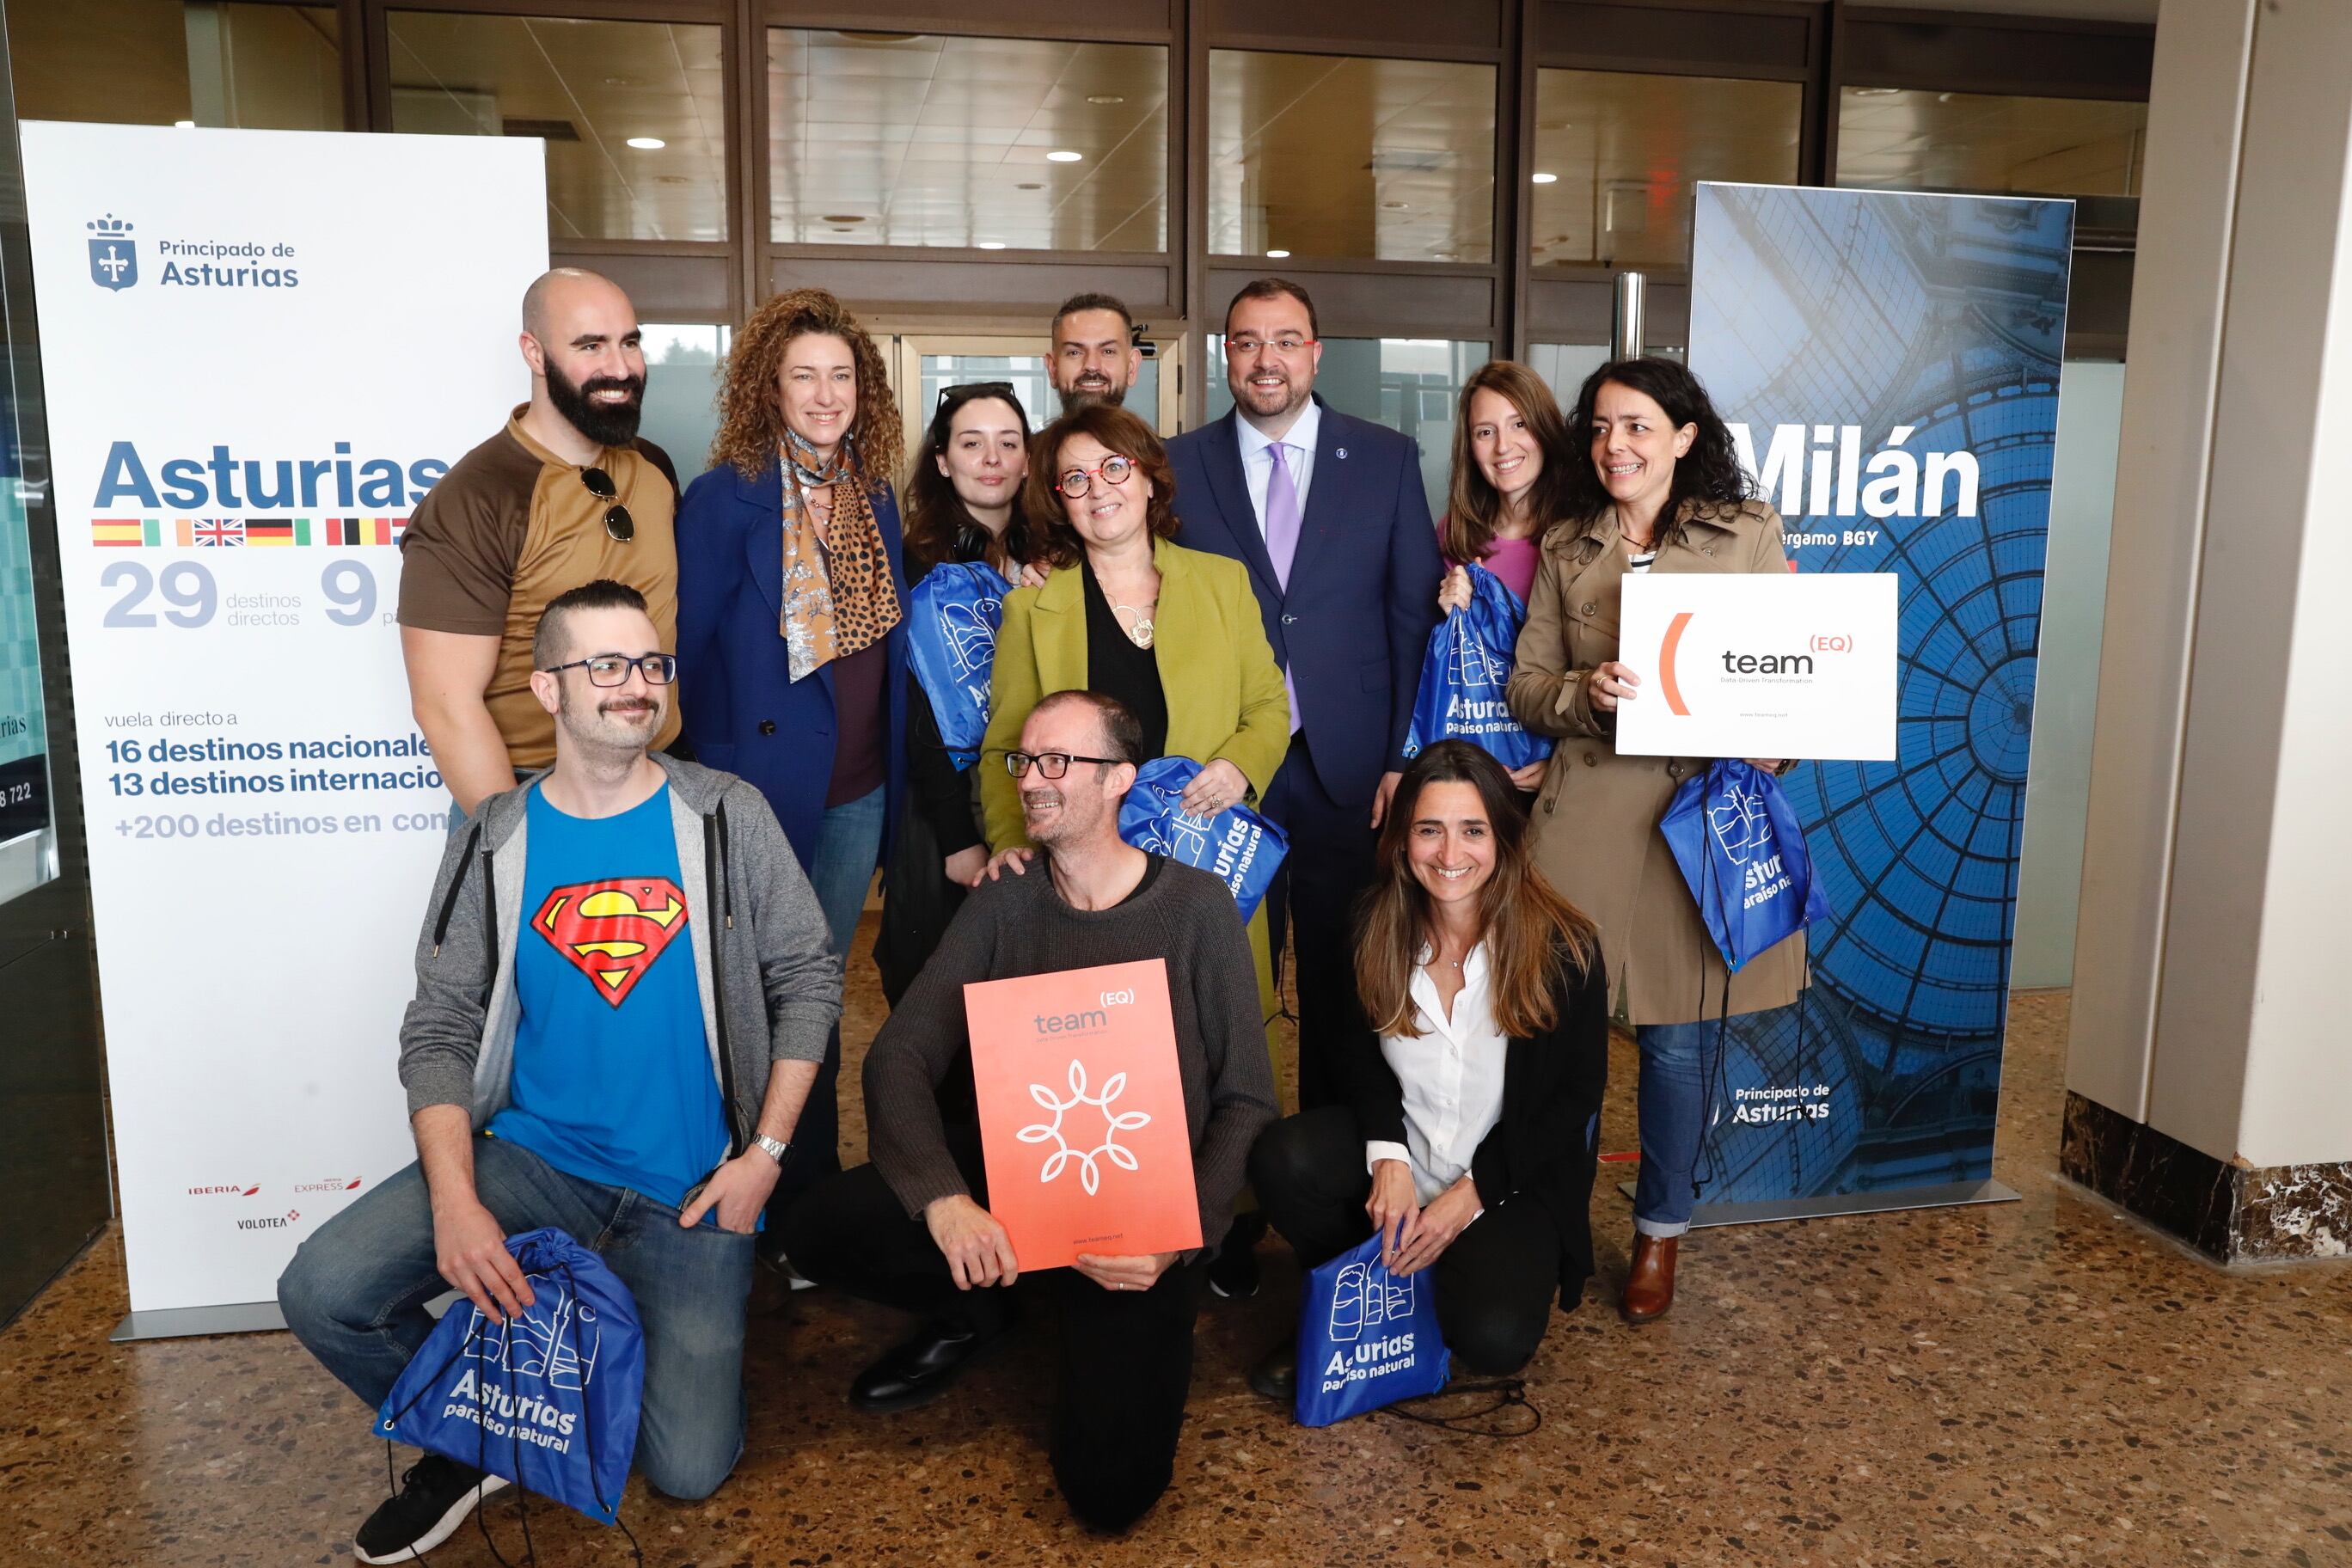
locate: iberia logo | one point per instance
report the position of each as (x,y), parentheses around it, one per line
(612,931)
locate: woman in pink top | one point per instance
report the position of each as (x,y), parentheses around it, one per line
(1510,479)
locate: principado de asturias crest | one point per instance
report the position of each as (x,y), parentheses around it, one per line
(113,254)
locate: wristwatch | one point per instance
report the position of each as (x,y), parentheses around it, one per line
(775,1149)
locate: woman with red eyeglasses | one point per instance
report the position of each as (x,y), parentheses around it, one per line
(1172,633)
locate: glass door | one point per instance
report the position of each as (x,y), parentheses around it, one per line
(924,364)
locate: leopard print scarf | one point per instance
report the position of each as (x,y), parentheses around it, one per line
(838,597)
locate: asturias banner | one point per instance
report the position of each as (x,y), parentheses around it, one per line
(261,349)
(1889,363)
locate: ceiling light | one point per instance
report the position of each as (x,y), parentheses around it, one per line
(990,244)
(647,143)
(1028,185)
(1105,98)
(1394,206)
(1276,255)
(184,125)
(1544,179)
(625,81)
(1063,155)
(1440,255)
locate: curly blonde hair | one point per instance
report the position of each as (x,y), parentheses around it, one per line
(752,417)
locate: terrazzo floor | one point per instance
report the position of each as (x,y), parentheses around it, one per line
(2043,1382)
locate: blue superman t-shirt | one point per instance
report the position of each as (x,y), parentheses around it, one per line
(614,1080)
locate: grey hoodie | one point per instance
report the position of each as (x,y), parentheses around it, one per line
(771,986)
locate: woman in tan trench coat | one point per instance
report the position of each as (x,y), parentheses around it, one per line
(1662,491)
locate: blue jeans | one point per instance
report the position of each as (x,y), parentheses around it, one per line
(848,845)
(355,1296)
(1677,1069)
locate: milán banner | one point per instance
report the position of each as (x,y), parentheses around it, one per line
(1889,366)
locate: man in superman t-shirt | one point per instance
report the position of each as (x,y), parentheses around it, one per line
(623,989)
(604,972)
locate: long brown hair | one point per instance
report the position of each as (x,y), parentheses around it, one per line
(1124,434)
(750,418)
(1529,928)
(1474,507)
(939,526)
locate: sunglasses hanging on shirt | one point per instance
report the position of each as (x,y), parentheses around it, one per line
(619,526)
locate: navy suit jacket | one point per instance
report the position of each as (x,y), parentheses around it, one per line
(1352,627)
(743,710)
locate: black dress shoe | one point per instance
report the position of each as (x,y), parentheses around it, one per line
(1276,1373)
(1233,1272)
(919,1371)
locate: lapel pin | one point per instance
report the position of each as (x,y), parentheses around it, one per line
(1342,454)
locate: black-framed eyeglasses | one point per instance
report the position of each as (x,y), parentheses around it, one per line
(1051,764)
(612,668)
(1115,471)
(965,392)
(619,526)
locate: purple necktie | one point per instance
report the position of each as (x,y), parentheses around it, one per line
(1281,515)
(1281,546)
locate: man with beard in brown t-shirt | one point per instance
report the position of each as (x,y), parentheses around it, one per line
(565,494)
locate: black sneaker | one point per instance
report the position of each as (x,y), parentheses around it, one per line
(436,1496)
(1232,1273)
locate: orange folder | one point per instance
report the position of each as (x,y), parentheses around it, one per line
(1082,1113)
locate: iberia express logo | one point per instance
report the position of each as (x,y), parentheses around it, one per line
(612,931)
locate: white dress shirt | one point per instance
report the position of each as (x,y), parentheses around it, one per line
(1452,1075)
(1297,456)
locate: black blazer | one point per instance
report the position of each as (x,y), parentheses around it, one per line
(1546,1146)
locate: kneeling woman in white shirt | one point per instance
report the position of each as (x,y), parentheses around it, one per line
(1468,1138)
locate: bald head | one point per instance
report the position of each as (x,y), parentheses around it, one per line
(563,289)
(582,342)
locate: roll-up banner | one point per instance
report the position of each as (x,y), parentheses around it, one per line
(261,349)
(1888,363)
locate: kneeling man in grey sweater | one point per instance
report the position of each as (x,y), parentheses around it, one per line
(911,1229)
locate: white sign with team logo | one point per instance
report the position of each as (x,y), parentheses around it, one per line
(1761,664)
(260,349)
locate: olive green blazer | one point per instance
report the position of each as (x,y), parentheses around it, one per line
(1224,694)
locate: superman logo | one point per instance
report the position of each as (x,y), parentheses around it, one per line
(612,931)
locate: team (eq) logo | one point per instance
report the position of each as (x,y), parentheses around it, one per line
(612,931)
(113,256)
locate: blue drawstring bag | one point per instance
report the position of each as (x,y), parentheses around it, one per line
(1366,1338)
(951,645)
(1463,673)
(1241,847)
(549,1400)
(1736,837)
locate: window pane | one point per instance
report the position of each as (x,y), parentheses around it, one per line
(1410,385)
(681,391)
(1617,153)
(1564,366)
(1320,155)
(633,113)
(1894,138)
(1005,143)
(1031,384)
(271,68)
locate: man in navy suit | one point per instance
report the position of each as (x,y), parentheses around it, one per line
(1328,514)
